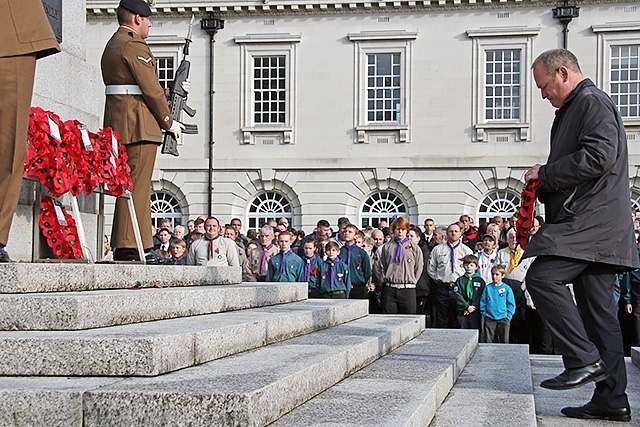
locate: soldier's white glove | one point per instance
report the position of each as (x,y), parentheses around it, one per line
(176,129)
(186,86)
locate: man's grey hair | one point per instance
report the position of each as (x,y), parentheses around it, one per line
(553,59)
(266,229)
(178,227)
(440,230)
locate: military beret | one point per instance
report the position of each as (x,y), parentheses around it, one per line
(140,7)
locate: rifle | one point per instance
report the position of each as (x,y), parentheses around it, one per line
(178,99)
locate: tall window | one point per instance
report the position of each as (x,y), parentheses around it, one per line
(164,205)
(383,87)
(500,202)
(269,89)
(625,80)
(382,206)
(268,73)
(502,85)
(267,206)
(166,71)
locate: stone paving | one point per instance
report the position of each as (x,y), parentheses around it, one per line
(549,402)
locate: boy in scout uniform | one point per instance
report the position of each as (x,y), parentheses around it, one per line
(136,107)
(25,36)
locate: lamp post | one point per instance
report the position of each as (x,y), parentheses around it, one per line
(211,26)
(565,14)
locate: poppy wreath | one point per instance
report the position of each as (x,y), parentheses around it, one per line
(67,165)
(63,239)
(526,213)
(111,168)
(52,162)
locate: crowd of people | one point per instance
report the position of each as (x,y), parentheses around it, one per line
(461,276)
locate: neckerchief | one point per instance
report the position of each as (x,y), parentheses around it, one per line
(399,248)
(349,253)
(282,261)
(514,256)
(307,266)
(453,255)
(332,263)
(470,284)
(263,263)
(210,248)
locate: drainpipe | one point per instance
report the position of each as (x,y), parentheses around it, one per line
(211,25)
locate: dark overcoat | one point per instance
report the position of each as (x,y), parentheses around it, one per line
(585,184)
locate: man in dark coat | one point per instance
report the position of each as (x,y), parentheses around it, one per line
(585,189)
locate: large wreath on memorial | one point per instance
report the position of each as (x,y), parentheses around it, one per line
(65,157)
(59,228)
(66,161)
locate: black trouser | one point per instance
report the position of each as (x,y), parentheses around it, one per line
(587,330)
(333,295)
(359,292)
(471,320)
(635,302)
(446,307)
(402,301)
(540,341)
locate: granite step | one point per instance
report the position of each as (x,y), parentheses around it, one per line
(101,308)
(495,389)
(635,356)
(154,348)
(253,388)
(403,388)
(249,389)
(33,277)
(549,403)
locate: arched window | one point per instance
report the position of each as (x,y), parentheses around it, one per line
(500,202)
(635,200)
(382,206)
(164,205)
(268,206)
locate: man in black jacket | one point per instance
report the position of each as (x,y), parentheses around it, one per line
(585,188)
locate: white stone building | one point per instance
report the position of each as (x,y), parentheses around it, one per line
(366,109)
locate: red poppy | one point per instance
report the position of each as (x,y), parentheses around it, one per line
(526,213)
(313,270)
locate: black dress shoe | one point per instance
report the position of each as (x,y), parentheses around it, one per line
(126,254)
(592,411)
(4,256)
(576,377)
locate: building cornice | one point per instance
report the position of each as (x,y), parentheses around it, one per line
(97,9)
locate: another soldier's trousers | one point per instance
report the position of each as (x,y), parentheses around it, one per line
(142,158)
(16,86)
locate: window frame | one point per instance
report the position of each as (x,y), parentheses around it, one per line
(163,198)
(253,45)
(498,199)
(501,38)
(274,197)
(383,42)
(372,218)
(614,34)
